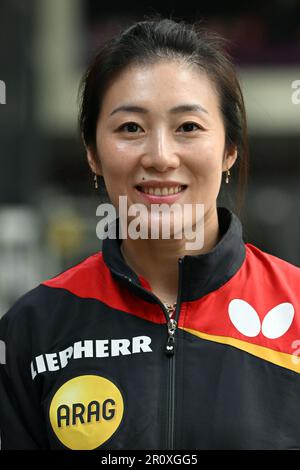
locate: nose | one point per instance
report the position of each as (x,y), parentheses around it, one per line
(160,152)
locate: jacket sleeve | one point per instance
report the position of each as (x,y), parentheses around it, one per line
(21,421)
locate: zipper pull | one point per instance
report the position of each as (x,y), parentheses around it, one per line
(170,346)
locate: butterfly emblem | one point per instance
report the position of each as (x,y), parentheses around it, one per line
(274,325)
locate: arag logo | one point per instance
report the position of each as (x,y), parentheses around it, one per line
(86,411)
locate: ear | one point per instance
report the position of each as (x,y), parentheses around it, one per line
(94,160)
(230,156)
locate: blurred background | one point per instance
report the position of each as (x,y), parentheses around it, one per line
(47,199)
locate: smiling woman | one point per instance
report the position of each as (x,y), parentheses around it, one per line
(175,51)
(162,118)
(149,344)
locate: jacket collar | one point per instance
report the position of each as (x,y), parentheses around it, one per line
(201,274)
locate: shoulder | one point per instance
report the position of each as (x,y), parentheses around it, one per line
(89,266)
(83,278)
(41,302)
(266,264)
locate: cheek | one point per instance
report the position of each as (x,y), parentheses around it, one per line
(206,159)
(116,159)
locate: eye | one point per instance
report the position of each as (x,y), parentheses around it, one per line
(189,126)
(131,127)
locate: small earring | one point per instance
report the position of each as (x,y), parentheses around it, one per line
(96,181)
(227,177)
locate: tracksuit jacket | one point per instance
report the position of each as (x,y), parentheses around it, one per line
(91,360)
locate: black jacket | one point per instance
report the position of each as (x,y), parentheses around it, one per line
(89,361)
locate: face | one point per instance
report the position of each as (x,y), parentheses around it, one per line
(169,130)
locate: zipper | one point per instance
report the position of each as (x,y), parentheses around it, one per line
(170,351)
(172,324)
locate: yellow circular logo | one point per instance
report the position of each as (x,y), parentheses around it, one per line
(86,411)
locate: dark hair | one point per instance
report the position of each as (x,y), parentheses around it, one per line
(157,39)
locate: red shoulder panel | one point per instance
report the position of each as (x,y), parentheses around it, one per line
(92,279)
(260,304)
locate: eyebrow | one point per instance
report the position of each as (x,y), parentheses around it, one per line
(182,108)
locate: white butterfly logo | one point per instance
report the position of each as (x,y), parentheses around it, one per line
(246,320)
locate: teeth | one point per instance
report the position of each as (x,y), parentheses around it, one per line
(162,191)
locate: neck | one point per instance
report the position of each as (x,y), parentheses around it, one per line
(157,259)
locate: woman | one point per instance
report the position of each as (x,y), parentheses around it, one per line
(150,344)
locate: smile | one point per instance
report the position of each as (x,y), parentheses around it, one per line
(164,191)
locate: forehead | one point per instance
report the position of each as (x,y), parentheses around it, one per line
(162,84)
